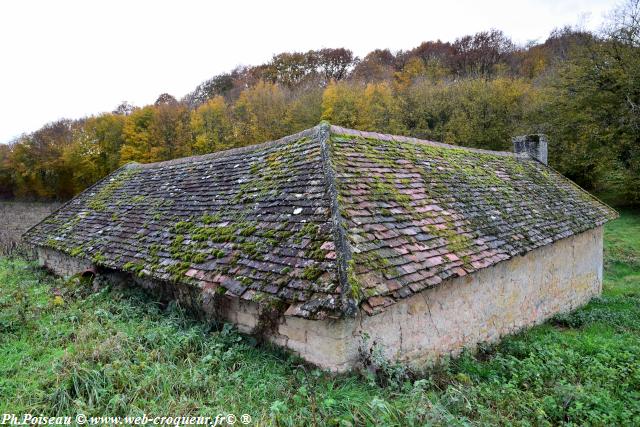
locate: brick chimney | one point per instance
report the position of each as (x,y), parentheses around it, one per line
(534,145)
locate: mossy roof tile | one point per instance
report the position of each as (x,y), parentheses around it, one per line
(312,218)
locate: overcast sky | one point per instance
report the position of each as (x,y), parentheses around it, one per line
(76,58)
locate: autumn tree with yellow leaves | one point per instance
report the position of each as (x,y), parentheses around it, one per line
(480,90)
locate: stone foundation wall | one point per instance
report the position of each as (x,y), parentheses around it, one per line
(61,264)
(441,321)
(492,303)
(18,217)
(462,312)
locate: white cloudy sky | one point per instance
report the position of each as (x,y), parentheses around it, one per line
(75,58)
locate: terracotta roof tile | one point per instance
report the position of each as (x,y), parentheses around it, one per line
(294,219)
(455,210)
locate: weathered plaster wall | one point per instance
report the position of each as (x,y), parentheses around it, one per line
(17,217)
(491,303)
(60,263)
(443,320)
(324,343)
(462,312)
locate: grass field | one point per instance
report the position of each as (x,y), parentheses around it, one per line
(64,351)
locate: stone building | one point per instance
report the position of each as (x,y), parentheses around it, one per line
(319,238)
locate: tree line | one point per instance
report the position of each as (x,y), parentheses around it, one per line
(580,88)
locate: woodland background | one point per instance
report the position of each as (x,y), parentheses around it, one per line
(580,88)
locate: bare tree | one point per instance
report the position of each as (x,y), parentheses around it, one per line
(124,109)
(479,54)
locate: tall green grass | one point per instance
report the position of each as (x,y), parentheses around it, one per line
(64,350)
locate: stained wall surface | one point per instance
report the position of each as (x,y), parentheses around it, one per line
(440,321)
(462,312)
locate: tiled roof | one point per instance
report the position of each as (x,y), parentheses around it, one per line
(324,221)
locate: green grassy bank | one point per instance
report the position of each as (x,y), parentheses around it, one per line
(65,351)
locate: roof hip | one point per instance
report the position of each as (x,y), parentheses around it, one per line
(343,250)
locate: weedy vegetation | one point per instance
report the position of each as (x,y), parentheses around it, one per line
(66,350)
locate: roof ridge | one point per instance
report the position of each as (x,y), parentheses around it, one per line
(339,130)
(232,151)
(332,129)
